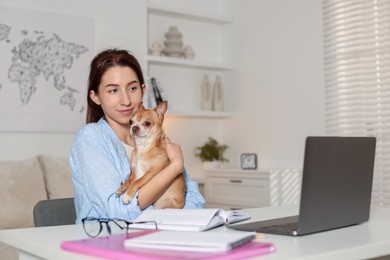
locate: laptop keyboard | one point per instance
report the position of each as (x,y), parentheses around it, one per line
(282,228)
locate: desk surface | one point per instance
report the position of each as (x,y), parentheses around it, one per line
(361,241)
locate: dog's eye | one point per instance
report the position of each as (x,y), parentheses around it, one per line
(147,123)
(131,122)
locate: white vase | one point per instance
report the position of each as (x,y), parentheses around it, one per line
(211,165)
(206,95)
(218,95)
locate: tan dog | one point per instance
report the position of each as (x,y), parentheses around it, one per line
(149,157)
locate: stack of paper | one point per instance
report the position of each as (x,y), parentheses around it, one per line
(192,241)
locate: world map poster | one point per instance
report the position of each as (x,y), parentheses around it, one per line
(44,62)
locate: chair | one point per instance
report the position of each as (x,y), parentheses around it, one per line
(54,212)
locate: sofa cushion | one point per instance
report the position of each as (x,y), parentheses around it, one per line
(21,187)
(58,177)
(8,252)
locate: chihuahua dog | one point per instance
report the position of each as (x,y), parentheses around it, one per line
(149,157)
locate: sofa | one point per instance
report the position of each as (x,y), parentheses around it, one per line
(24,183)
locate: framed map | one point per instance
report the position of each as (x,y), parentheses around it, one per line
(44,66)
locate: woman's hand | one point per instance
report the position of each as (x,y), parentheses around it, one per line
(175,154)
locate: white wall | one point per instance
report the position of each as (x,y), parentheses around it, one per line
(277,48)
(279,83)
(118,23)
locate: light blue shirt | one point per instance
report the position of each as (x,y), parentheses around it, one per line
(99,165)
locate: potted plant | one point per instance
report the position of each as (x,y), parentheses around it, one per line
(211,153)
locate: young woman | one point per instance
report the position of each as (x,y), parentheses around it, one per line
(100,152)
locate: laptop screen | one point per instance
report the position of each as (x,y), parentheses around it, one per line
(336,187)
(336,182)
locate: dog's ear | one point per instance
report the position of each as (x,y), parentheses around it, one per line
(161,109)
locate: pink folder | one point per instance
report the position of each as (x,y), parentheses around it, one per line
(112,247)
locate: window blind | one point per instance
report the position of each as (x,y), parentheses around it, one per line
(357,78)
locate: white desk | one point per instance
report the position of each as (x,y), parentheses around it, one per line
(367,240)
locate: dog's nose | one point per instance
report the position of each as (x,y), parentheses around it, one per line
(135,129)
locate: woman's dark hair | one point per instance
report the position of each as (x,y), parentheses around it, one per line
(100,64)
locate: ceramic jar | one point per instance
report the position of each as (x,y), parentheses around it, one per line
(173,43)
(156,49)
(188,52)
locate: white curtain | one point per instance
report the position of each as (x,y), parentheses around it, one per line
(357,78)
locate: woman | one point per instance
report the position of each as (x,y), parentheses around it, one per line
(101,149)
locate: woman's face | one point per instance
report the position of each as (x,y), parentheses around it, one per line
(119,95)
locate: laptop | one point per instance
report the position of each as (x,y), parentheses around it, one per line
(336,187)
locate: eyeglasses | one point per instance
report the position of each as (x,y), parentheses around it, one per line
(94,226)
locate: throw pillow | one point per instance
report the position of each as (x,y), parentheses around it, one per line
(21,187)
(58,177)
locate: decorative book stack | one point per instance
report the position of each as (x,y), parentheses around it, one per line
(155,93)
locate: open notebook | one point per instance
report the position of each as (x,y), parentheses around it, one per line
(188,219)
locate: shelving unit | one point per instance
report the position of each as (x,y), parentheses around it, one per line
(172,11)
(188,63)
(179,77)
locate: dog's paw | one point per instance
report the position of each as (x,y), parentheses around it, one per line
(126,199)
(119,192)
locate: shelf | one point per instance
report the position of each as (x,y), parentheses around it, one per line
(200,114)
(208,22)
(188,63)
(172,11)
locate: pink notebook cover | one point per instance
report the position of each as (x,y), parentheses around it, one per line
(112,247)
